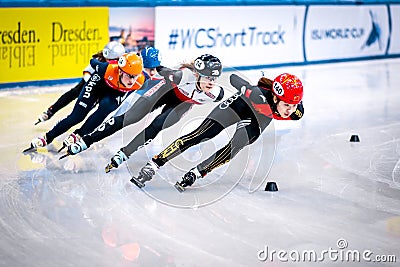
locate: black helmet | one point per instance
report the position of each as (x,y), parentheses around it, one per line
(208,65)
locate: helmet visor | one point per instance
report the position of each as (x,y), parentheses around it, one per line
(131,76)
(209,78)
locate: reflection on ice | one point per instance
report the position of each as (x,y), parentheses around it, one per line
(71,213)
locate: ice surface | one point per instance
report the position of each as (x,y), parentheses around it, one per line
(70,213)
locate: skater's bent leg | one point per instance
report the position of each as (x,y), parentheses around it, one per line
(83,105)
(67,97)
(242,137)
(138,111)
(77,115)
(208,129)
(106,105)
(107,128)
(168,117)
(143,138)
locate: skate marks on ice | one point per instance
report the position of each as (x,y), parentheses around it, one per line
(376,156)
(85,214)
(56,213)
(83,217)
(250,167)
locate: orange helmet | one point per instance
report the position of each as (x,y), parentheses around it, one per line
(131,63)
(288,88)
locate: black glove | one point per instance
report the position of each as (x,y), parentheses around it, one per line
(171,75)
(298,114)
(239,83)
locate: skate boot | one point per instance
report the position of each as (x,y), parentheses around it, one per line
(35,143)
(188,179)
(45,116)
(145,174)
(71,139)
(76,148)
(116,161)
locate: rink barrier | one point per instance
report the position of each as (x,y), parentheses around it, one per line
(156,3)
(260,37)
(309,35)
(49,43)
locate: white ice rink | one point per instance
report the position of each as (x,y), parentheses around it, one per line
(337,200)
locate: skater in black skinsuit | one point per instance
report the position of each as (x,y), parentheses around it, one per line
(110,83)
(252,109)
(112,51)
(150,58)
(192,84)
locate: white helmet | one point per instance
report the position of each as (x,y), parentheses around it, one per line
(113,50)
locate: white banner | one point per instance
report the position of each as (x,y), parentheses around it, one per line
(239,36)
(341,32)
(394,47)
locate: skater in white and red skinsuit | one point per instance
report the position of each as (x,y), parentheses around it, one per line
(193,84)
(251,109)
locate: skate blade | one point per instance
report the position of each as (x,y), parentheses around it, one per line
(135,181)
(64,156)
(64,146)
(29,149)
(180,188)
(39,121)
(108,168)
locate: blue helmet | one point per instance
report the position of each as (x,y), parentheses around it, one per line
(150,57)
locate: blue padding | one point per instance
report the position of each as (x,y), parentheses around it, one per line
(38,83)
(227,69)
(152,3)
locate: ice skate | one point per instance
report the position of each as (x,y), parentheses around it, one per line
(71,139)
(145,174)
(116,161)
(44,116)
(76,148)
(188,179)
(35,143)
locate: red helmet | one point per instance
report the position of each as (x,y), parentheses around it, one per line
(288,88)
